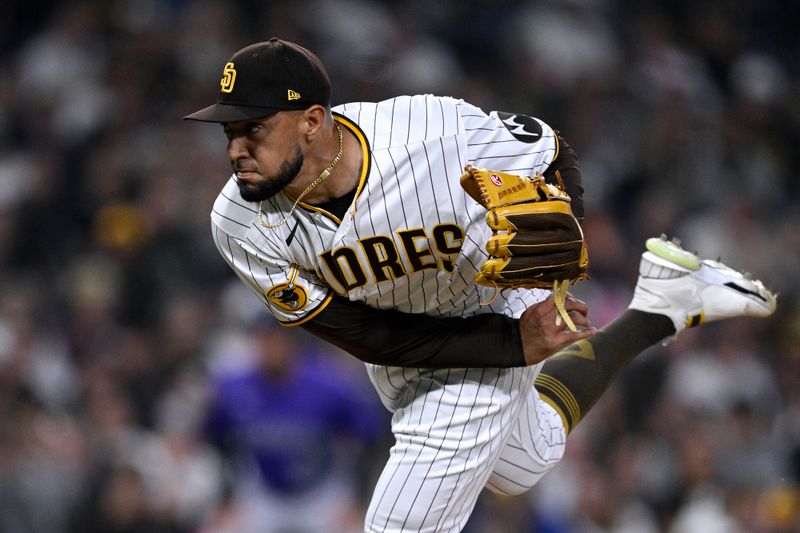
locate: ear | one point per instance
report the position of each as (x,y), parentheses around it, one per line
(312,121)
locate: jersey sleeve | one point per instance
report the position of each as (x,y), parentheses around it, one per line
(292,294)
(391,338)
(508,142)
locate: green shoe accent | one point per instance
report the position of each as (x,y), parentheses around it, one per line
(672,252)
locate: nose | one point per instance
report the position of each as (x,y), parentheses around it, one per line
(237,148)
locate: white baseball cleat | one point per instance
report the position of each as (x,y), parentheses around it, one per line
(691,291)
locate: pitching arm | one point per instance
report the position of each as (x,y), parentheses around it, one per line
(392,338)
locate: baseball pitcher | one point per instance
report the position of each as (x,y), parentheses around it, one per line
(436,243)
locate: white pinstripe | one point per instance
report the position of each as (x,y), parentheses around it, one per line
(536,444)
(452,425)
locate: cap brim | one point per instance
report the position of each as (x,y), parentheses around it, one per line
(230,113)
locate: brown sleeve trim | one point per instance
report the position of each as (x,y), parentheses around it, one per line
(392,338)
(567,166)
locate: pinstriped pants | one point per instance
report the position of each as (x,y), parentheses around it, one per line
(456,431)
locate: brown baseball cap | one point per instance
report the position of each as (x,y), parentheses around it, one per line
(264,78)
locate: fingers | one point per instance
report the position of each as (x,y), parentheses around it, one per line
(539,346)
(573,304)
(577,309)
(566,337)
(570,304)
(543,335)
(581,320)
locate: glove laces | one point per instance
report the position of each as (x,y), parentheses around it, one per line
(560,289)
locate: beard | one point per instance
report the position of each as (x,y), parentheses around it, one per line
(269,187)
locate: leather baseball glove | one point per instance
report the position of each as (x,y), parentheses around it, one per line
(536,240)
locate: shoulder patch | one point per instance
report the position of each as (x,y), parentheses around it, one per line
(524,128)
(288,297)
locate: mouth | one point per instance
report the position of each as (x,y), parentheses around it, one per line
(246,175)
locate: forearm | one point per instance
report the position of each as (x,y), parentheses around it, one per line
(392,338)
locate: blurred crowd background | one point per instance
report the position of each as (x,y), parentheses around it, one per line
(142,389)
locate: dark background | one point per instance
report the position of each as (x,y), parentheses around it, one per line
(116,312)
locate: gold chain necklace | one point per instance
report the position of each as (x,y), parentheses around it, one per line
(325,173)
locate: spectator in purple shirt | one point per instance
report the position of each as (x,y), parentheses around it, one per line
(292,422)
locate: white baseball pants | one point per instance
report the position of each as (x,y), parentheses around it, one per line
(458,430)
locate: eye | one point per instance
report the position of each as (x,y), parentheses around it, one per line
(253,127)
(226,130)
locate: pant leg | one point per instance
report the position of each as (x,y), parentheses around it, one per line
(536,445)
(450,426)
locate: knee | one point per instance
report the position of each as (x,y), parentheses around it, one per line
(511,487)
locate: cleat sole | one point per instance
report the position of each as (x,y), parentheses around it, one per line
(673,253)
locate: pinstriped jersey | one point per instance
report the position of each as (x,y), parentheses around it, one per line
(412,240)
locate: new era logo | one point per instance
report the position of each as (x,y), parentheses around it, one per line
(291,95)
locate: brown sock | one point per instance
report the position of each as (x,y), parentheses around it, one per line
(574,379)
